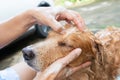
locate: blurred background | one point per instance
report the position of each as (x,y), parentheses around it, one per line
(98,14)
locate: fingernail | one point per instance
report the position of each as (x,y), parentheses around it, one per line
(80,27)
(78,51)
(63,32)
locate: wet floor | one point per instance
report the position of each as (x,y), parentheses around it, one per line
(97,15)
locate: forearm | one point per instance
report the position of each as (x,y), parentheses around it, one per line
(15,27)
(24,71)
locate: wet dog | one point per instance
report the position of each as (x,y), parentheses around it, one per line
(101,48)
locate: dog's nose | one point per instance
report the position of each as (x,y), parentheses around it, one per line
(28,53)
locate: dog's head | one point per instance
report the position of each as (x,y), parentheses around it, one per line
(41,55)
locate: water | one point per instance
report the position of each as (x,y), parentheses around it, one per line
(101,14)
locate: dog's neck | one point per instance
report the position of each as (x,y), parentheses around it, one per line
(103,65)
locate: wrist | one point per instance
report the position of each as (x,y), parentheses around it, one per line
(29,17)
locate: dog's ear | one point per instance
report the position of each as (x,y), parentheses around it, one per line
(99,51)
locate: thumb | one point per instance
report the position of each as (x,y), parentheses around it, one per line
(56,26)
(71,56)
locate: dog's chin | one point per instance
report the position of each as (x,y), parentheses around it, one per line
(36,68)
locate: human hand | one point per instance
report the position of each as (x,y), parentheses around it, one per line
(59,69)
(51,16)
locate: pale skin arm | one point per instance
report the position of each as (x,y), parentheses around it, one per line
(10,31)
(27,73)
(58,69)
(24,71)
(18,25)
(15,27)
(52,71)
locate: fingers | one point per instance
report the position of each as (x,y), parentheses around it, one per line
(81,66)
(78,20)
(72,70)
(70,57)
(45,16)
(61,63)
(56,26)
(49,16)
(71,16)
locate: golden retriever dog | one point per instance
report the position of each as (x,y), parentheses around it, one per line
(101,48)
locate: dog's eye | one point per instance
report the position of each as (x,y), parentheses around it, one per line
(61,44)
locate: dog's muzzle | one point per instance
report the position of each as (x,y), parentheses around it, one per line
(28,53)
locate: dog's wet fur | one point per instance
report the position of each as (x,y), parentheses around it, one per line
(101,48)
